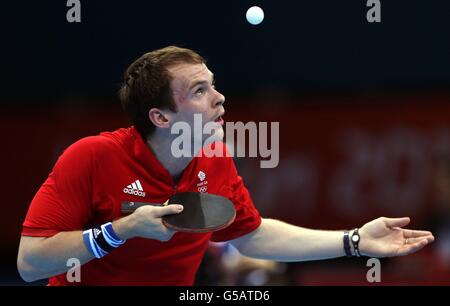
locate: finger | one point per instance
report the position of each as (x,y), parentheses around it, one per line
(414,234)
(412,248)
(168,210)
(429,239)
(397,222)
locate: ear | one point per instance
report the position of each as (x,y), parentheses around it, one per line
(159,117)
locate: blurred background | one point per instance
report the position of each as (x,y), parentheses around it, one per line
(364,112)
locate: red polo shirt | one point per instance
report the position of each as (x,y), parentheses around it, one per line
(94,175)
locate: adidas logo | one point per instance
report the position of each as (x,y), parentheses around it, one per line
(135,189)
(96,232)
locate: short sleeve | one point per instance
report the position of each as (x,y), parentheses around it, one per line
(247,216)
(64,201)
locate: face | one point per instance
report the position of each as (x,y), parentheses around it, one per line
(194,93)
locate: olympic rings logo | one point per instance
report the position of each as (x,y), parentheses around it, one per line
(203,189)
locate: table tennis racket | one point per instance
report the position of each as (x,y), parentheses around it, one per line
(202,213)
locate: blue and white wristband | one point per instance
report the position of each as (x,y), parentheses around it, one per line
(100,240)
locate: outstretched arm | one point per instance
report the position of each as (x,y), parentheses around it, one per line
(382,237)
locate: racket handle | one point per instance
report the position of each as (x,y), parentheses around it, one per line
(130,207)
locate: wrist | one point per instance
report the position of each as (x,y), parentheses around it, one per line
(347,244)
(355,240)
(123,227)
(352,248)
(100,240)
(364,238)
(352,243)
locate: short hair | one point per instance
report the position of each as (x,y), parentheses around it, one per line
(147,84)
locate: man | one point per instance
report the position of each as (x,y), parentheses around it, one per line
(94,175)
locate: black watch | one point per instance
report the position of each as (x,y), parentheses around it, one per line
(355,241)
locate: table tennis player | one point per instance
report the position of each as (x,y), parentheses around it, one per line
(76,213)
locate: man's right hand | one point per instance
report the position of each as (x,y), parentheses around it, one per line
(146,222)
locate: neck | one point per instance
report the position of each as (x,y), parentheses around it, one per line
(160,144)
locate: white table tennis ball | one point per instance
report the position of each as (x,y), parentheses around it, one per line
(255,15)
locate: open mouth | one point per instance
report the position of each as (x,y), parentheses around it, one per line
(219,119)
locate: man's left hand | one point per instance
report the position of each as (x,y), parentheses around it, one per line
(385,237)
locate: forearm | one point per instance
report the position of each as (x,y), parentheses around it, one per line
(41,257)
(279,241)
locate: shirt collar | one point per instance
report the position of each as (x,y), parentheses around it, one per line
(145,156)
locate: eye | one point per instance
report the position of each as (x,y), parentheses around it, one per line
(199,91)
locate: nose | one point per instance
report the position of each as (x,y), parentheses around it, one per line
(219,99)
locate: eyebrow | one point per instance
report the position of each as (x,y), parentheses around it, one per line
(200,82)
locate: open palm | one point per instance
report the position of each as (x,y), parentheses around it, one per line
(385,237)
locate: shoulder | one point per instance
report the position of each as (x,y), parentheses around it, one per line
(90,145)
(90,148)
